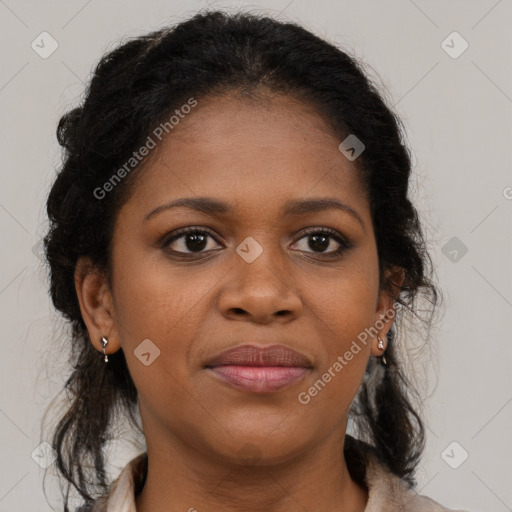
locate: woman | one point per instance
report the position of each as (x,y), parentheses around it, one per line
(232,241)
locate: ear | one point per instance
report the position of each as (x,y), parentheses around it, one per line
(386,307)
(95,300)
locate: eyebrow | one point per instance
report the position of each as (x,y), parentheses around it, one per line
(211,206)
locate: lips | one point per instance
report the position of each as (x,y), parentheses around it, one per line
(252,355)
(259,369)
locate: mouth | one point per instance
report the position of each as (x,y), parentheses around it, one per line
(260,369)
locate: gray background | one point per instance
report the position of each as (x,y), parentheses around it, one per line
(457,116)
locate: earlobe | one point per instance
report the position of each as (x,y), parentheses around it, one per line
(95,299)
(386,308)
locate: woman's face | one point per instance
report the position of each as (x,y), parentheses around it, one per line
(254,275)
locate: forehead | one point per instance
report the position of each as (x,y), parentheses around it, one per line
(258,152)
(274,121)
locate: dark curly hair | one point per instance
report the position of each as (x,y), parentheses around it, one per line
(138,85)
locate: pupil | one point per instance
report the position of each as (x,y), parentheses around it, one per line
(319,242)
(195,242)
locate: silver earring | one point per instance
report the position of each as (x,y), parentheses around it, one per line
(104,341)
(382,357)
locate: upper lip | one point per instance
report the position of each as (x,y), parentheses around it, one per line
(257,355)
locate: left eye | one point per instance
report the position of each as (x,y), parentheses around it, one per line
(321,239)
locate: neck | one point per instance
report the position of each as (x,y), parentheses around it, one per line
(182,478)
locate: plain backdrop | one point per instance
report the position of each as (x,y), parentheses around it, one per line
(456,105)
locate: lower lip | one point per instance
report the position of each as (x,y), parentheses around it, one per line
(259,379)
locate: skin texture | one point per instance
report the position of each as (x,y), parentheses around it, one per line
(211,446)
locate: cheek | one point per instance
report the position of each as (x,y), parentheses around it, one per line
(342,323)
(162,304)
(155,320)
(344,311)
(345,300)
(154,299)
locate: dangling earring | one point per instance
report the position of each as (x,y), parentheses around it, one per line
(381,346)
(104,341)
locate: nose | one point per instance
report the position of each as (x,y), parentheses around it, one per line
(261,291)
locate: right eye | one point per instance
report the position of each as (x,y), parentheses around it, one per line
(191,239)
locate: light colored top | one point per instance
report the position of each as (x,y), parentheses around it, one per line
(386,491)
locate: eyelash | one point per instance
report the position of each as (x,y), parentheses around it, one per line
(345,245)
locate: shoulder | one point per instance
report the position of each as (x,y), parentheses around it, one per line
(89,506)
(421,503)
(389,492)
(386,491)
(98,505)
(122,491)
